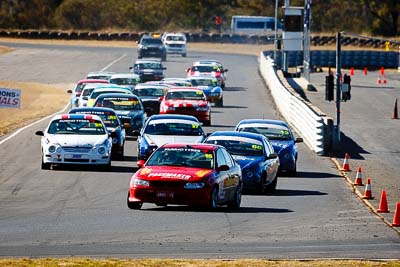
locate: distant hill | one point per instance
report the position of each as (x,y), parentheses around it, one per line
(380,17)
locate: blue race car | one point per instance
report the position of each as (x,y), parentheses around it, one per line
(210,87)
(281,137)
(255,155)
(161,129)
(129,109)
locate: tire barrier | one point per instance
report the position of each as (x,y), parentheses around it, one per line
(307,120)
(316,40)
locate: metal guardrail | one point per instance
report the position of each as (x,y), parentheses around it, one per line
(309,123)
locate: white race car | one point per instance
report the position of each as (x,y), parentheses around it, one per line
(76,139)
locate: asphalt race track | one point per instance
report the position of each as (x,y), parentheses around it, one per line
(82,212)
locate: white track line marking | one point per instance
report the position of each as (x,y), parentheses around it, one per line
(33,123)
(113,62)
(51,115)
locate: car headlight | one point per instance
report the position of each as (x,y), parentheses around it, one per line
(54,148)
(101,150)
(143,47)
(138,182)
(202,108)
(194,185)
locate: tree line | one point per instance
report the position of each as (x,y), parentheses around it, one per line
(377,17)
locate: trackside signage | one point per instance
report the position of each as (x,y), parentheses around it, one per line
(10,98)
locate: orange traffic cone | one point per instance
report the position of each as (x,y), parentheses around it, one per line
(368,191)
(358,180)
(383,206)
(346,166)
(396,217)
(352,71)
(365,71)
(383,74)
(395,114)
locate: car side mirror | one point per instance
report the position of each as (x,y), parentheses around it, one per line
(161,98)
(130,68)
(223,168)
(298,140)
(225,70)
(140,163)
(113,134)
(188,69)
(69,91)
(40,133)
(164,68)
(272,156)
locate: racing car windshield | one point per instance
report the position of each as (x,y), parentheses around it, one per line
(204,82)
(151,41)
(124,81)
(239,146)
(189,95)
(76,127)
(172,128)
(149,65)
(175,38)
(149,92)
(183,157)
(205,68)
(120,103)
(271,133)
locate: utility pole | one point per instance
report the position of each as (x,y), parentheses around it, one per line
(276,30)
(338,85)
(307,41)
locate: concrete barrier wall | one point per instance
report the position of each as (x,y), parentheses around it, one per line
(308,122)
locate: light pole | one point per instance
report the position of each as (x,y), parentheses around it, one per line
(306,42)
(276,30)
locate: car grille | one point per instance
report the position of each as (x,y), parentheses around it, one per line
(175,45)
(76,160)
(153,49)
(162,184)
(77,149)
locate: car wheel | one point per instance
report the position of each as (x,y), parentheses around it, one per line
(272,186)
(293,172)
(45,166)
(133,205)
(223,86)
(207,123)
(235,203)
(213,199)
(219,103)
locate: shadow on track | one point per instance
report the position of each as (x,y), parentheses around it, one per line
(219,209)
(235,89)
(312,175)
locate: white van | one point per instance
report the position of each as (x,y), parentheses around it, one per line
(253,24)
(175,43)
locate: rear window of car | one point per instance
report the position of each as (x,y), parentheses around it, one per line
(109,118)
(149,92)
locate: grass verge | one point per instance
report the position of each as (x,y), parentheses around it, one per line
(188,263)
(37,100)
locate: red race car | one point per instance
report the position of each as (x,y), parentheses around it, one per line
(187,174)
(187,101)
